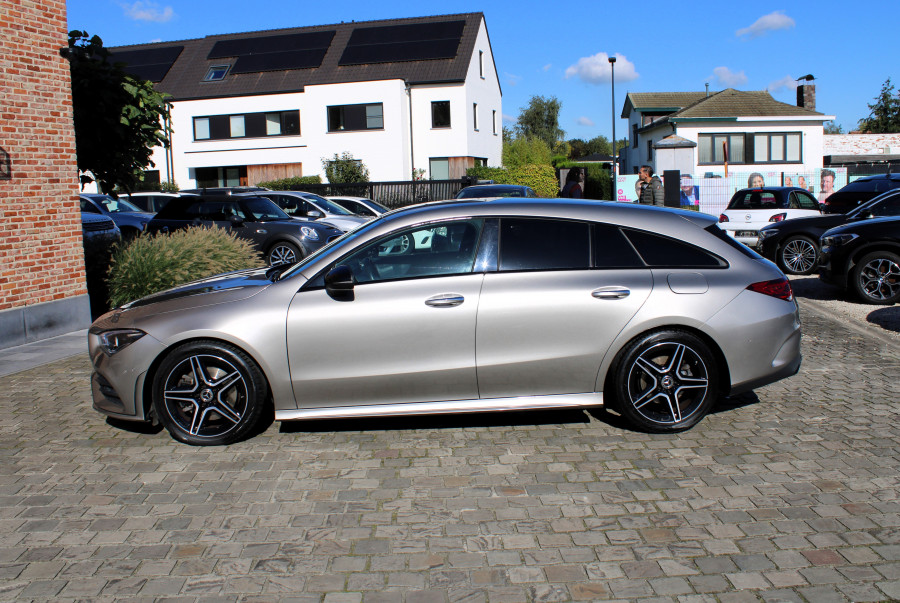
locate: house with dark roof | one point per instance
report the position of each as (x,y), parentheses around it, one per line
(400,95)
(699,133)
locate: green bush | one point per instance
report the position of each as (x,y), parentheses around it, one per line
(153,263)
(344,168)
(542,178)
(286,184)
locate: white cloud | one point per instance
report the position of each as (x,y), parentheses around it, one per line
(548,66)
(596,69)
(512,79)
(785,83)
(728,78)
(509,119)
(766,23)
(585,121)
(148,11)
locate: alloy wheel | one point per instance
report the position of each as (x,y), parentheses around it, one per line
(799,256)
(206,395)
(667,383)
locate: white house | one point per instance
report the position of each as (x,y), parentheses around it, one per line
(699,133)
(400,95)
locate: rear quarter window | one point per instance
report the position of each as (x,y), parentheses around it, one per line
(658,251)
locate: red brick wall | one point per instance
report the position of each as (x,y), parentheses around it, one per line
(41,256)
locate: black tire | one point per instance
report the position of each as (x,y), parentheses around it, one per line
(208,393)
(798,255)
(283,252)
(875,279)
(660,368)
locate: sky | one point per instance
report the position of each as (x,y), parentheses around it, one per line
(562,49)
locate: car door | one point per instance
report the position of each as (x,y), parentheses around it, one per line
(564,290)
(408,332)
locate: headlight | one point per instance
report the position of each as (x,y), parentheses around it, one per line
(838,240)
(310,233)
(117,340)
(767,232)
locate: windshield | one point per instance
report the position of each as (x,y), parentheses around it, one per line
(331,207)
(114,206)
(263,210)
(345,238)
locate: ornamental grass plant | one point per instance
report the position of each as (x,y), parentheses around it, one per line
(153,263)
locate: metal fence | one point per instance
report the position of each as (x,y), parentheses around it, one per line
(390,194)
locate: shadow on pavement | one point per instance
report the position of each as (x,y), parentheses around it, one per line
(732,402)
(134,426)
(887,318)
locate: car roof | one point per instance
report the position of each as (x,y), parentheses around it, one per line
(777,189)
(878,177)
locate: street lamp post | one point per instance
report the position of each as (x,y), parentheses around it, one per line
(612,66)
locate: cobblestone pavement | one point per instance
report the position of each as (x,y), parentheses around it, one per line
(791,493)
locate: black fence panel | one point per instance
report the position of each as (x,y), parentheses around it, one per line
(390,194)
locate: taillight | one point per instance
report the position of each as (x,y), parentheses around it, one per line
(779,287)
(722,218)
(778,217)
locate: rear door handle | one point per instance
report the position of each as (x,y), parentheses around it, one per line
(611,293)
(445,300)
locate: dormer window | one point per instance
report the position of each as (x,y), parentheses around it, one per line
(216,73)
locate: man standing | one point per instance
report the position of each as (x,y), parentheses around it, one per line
(652,192)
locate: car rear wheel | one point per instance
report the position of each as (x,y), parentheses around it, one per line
(875,279)
(283,253)
(208,393)
(798,255)
(665,381)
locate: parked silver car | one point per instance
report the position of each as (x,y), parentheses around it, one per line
(512,304)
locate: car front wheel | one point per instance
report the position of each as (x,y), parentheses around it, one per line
(665,381)
(798,255)
(208,393)
(875,279)
(283,253)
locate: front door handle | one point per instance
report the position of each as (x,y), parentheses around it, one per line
(445,300)
(611,293)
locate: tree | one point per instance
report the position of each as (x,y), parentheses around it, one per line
(118,118)
(540,119)
(830,127)
(884,116)
(523,151)
(345,169)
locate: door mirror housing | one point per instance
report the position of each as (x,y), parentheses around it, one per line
(339,279)
(236,221)
(314,214)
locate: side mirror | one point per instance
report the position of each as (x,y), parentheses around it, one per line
(314,214)
(339,281)
(236,221)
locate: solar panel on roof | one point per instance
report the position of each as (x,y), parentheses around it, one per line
(395,43)
(147,63)
(276,61)
(266,44)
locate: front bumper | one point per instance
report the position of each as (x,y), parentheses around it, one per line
(117,383)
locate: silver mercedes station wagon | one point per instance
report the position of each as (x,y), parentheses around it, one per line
(459,307)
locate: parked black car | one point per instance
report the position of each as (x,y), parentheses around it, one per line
(149,201)
(127,216)
(483,191)
(794,244)
(283,239)
(858,192)
(864,257)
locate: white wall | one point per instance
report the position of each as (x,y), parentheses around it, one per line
(485,91)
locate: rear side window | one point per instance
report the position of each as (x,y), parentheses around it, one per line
(537,244)
(180,209)
(756,200)
(663,252)
(722,235)
(801,200)
(612,250)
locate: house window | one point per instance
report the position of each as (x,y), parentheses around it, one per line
(249,125)
(634,136)
(713,148)
(475,115)
(351,118)
(481,63)
(649,150)
(440,114)
(439,168)
(210,177)
(216,73)
(494,121)
(237,126)
(783,147)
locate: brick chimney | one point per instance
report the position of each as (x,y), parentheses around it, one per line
(806,96)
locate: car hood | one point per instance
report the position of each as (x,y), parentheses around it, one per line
(238,285)
(828,221)
(345,223)
(861,226)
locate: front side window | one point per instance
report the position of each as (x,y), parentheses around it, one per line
(350,118)
(442,249)
(539,244)
(440,114)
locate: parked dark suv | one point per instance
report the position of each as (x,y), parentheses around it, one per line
(794,244)
(283,239)
(858,192)
(864,257)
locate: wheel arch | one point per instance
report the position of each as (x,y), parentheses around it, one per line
(874,246)
(147,386)
(718,355)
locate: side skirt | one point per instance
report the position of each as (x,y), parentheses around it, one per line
(444,407)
